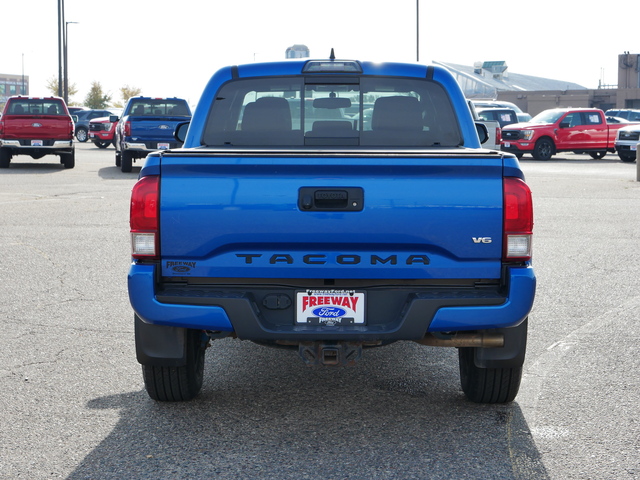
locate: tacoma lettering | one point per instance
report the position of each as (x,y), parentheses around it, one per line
(343,259)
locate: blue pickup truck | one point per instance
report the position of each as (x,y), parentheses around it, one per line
(147,124)
(288,221)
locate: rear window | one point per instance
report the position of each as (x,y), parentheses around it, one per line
(36,106)
(160,108)
(332,111)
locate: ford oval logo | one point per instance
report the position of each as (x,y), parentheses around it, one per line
(181,269)
(164,127)
(329,312)
(36,124)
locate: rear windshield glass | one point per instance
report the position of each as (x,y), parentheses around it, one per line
(369,111)
(160,107)
(36,106)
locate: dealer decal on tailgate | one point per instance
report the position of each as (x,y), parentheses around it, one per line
(330,307)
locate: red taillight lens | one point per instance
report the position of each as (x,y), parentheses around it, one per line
(144,217)
(498,135)
(518,220)
(127,129)
(1,127)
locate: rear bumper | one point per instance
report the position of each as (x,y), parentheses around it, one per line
(394,313)
(46,145)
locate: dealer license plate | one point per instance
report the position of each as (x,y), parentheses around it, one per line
(330,307)
(507,144)
(37,143)
(163,146)
(634,147)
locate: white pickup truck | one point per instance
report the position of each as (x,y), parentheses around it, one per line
(493,129)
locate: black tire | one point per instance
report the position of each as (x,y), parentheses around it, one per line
(178,384)
(118,159)
(597,155)
(487,385)
(627,157)
(5,158)
(82,135)
(544,149)
(68,160)
(100,144)
(126,159)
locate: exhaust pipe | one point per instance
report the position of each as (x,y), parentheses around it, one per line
(463,340)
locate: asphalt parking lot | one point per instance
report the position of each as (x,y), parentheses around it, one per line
(73,403)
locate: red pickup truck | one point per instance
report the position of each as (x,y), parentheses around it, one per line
(579,130)
(36,126)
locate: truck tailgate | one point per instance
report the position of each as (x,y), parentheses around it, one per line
(161,127)
(420,216)
(42,127)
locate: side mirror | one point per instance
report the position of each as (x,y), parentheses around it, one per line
(113,118)
(180,132)
(483,133)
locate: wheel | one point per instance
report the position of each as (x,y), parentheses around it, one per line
(5,158)
(118,159)
(627,157)
(100,144)
(68,160)
(597,155)
(178,384)
(81,134)
(543,150)
(487,385)
(126,159)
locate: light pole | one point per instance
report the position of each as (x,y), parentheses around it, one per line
(66,69)
(60,42)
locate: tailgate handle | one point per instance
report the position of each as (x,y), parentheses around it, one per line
(350,199)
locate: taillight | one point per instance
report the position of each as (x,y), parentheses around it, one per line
(1,127)
(498,135)
(518,220)
(144,218)
(127,129)
(72,128)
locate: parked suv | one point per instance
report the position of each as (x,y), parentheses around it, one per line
(84,117)
(627,113)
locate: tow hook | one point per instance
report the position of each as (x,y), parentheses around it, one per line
(330,354)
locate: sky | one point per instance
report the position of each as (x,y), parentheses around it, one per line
(171,48)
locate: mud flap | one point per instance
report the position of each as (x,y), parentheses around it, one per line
(160,346)
(511,355)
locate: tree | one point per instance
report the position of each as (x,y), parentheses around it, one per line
(52,86)
(96,98)
(127,92)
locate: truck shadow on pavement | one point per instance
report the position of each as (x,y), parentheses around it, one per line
(262,414)
(18,167)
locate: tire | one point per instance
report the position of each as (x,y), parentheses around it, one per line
(82,134)
(544,149)
(178,384)
(5,158)
(68,160)
(597,155)
(487,385)
(627,157)
(126,159)
(102,144)
(118,159)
